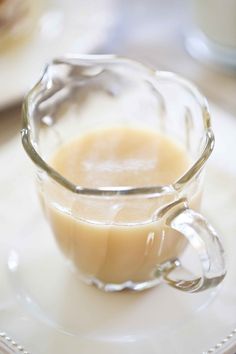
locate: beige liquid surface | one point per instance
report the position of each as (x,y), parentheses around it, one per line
(116,239)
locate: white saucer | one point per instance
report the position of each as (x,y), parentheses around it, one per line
(70,307)
(48,310)
(64,26)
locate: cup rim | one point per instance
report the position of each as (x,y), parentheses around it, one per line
(157,190)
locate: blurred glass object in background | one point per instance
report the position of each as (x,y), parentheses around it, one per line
(155,32)
(213,34)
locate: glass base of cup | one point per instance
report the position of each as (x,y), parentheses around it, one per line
(126,286)
(200,47)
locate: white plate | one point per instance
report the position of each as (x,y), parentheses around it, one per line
(63,26)
(45,308)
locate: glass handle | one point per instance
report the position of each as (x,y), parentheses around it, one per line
(204,239)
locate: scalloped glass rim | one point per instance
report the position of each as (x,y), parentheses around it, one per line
(116,191)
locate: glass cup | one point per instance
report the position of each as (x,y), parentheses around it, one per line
(123,237)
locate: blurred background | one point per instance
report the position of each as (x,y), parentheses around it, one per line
(190,37)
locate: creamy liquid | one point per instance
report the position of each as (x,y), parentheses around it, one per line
(114,240)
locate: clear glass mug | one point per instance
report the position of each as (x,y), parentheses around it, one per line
(123,237)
